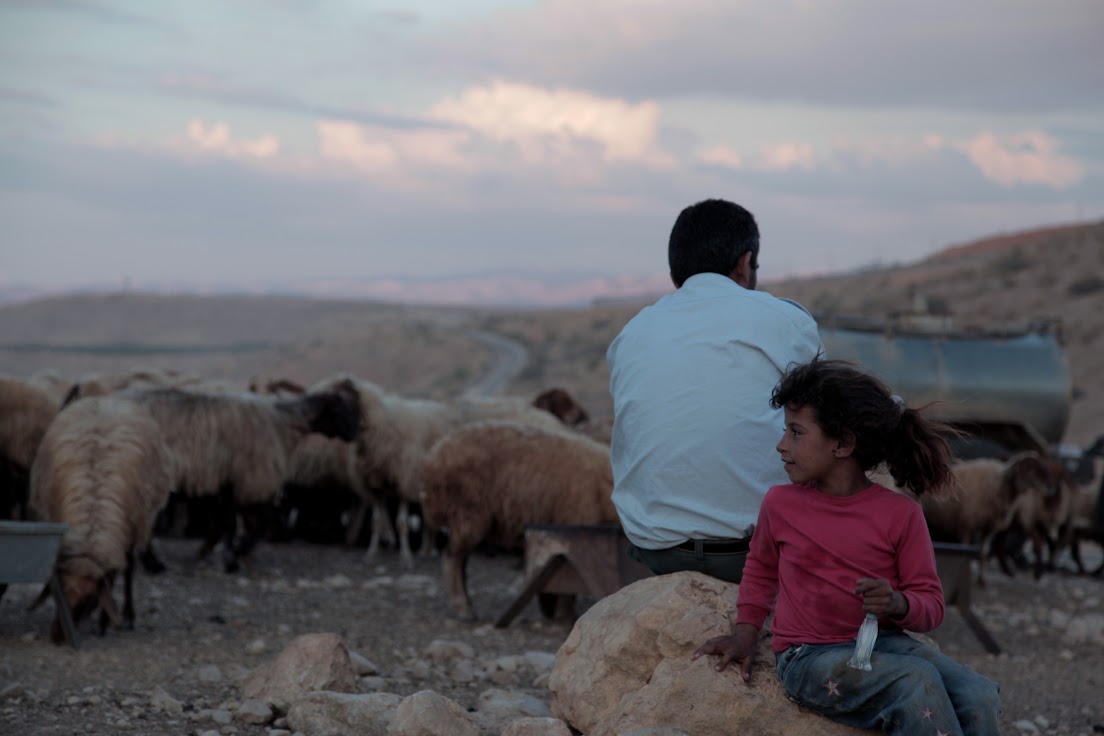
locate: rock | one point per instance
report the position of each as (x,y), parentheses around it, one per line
(541,661)
(162,701)
(537,727)
(496,709)
(626,666)
(426,713)
(337,714)
(209,673)
(309,662)
(254,711)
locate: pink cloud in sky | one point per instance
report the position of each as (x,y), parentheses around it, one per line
(216,138)
(1026,158)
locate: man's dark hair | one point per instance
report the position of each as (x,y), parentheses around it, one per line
(711,237)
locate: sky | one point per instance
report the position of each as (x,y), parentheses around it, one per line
(527,150)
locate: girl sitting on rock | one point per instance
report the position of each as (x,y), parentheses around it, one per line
(832,546)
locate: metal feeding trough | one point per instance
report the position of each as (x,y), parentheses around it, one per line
(28,551)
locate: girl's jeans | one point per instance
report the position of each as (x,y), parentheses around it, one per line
(911,690)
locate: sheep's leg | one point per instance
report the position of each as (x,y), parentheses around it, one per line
(1037,541)
(402,522)
(356,522)
(151,562)
(983,560)
(428,546)
(128,591)
(382,530)
(109,614)
(454,570)
(210,508)
(253,521)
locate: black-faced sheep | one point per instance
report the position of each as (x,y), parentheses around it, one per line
(487,481)
(993,496)
(26,410)
(102,469)
(397,432)
(236,448)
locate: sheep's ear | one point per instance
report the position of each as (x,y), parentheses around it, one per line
(107,603)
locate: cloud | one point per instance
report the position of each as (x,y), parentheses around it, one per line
(530,117)
(509,131)
(1007,55)
(215,138)
(1027,158)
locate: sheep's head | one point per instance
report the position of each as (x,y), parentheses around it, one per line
(563,405)
(1029,472)
(85,587)
(333,413)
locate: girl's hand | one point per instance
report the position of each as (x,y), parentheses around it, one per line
(880,598)
(739,648)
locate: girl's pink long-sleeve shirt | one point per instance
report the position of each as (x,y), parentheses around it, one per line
(810,548)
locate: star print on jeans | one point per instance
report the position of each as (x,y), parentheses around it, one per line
(926,713)
(832,687)
(940,733)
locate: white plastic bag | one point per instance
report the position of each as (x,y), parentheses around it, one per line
(864,643)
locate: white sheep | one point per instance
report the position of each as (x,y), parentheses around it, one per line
(25,412)
(489,480)
(102,469)
(993,496)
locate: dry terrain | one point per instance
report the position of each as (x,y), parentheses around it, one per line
(199,629)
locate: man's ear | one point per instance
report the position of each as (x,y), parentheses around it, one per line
(743,272)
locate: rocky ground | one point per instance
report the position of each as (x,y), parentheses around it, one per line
(200,631)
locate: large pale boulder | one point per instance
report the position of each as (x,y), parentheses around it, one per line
(626,668)
(309,662)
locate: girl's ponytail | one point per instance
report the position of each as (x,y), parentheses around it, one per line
(918,456)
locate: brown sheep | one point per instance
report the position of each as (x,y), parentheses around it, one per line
(991,496)
(487,481)
(563,405)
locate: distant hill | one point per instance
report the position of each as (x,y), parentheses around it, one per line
(1052,274)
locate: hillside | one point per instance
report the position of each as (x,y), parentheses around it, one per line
(1054,274)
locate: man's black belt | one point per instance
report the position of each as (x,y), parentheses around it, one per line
(717,546)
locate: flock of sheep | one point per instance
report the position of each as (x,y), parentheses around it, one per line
(105,454)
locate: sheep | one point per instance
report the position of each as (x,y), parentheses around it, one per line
(322,478)
(992,496)
(1086,522)
(25,412)
(234,448)
(397,432)
(102,470)
(489,480)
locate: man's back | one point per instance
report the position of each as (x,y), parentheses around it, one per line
(691,378)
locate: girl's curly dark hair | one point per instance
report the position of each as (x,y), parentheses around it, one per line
(853,405)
